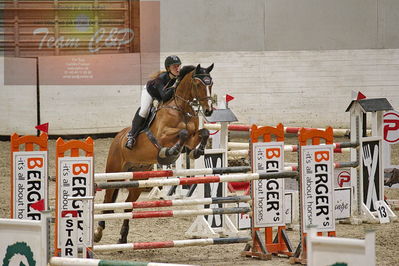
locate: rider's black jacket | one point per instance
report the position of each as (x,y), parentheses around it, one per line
(161,88)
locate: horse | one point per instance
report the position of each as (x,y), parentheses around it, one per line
(175,126)
(391,176)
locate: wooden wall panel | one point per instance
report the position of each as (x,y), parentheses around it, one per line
(37,28)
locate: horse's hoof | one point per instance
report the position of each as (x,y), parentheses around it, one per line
(98,234)
(195,154)
(122,241)
(200,152)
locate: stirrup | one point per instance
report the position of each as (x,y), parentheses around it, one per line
(130,142)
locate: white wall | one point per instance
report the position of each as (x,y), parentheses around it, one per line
(276,25)
(88,109)
(296,88)
(301,88)
(18,96)
(102,102)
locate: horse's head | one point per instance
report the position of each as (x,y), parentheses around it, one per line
(202,89)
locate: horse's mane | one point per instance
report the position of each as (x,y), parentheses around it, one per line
(184,71)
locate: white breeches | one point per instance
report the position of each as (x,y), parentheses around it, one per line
(146,102)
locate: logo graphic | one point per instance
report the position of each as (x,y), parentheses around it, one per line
(17,254)
(391,127)
(343,178)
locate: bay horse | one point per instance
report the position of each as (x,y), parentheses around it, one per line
(174,127)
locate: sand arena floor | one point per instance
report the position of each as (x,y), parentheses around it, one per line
(143,230)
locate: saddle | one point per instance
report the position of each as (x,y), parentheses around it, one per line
(146,130)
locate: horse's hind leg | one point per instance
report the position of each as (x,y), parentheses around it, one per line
(110,197)
(132,197)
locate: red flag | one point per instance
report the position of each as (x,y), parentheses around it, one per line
(360,96)
(42,127)
(229,98)
(39,205)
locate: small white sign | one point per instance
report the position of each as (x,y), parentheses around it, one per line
(24,242)
(342,177)
(317,187)
(382,211)
(343,206)
(288,207)
(391,127)
(75,179)
(30,183)
(244,219)
(268,157)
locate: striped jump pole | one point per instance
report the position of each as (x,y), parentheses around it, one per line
(338,165)
(196,180)
(171,244)
(171,173)
(338,132)
(60,261)
(169,213)
(167,203)
(339,147)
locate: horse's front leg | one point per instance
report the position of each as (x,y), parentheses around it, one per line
(201,137)
(110,197)
(133,195)
(175,149)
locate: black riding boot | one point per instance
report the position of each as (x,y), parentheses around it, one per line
(137,125)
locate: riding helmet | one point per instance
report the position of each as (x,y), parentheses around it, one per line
(172,60)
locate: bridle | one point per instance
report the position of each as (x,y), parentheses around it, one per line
(206,80)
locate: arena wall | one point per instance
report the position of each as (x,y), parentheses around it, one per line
(275,25)
(295,60)
(297,88)
(18,102)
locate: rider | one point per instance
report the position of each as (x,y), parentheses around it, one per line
(162,88)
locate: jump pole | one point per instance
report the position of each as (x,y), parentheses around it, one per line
(168,203)
(171,244)
(169,213)
(196,180)
(170,173)
(339,147)
(287,130)
(59,261)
